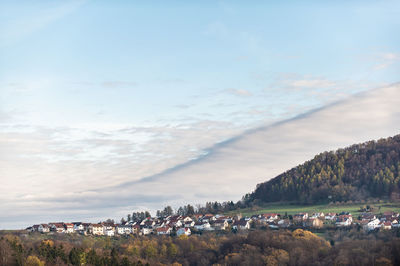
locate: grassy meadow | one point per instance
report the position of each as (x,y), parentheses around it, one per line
(291,209)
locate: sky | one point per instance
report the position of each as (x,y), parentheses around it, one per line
(109,107)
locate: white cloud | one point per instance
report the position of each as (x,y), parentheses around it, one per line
(385,60)
(312,83)
(118,84)
(165,168)
(239,92)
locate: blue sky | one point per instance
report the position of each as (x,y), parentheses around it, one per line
(132,88)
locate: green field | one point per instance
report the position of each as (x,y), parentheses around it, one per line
(291,209)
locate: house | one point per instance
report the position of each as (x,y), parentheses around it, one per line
(35,227)
(109,233)
(269,217)
(220,224)
(183,231)
(367,216)
(315,222)
(225,218)
(189,224)
(208,218)
(331,216)
(81,227)
(96,229)
(165,230)
(148,223)
(125,229)
(109,226)
(284,223)
(69,228)
(241,225)
(135,229)
(386,225)
(371,225)
(202,225)
(187,219)
(175,221)
(44,228)
(299,217)
(146,231)
(57,227)
(318,215)
(391,213)
(344,220)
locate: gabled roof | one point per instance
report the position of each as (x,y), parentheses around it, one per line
(58,225)
(97,225)
(163,229)
(269,214)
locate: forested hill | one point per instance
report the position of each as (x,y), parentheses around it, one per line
(361,171)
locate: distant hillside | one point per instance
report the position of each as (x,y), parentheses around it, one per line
(371,169)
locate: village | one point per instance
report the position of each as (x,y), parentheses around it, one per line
(186,225)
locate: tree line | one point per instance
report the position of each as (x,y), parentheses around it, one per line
(258,247)
(361,171)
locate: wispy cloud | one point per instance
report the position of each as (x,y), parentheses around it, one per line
(239,92)
(385,60)
(118,84)
(18,28)
(312,83)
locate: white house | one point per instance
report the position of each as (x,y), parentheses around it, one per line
(202,225)
(300,217)
(96,229)
(220,225)
(110,233)
(269,217)
(43,228)
(330,216)
(241,225)
(79,227)
(124,229)
(146,231)
(57,227)
(165,230)
(69,228)
(344,220)
(373,224)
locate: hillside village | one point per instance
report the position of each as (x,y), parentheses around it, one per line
(186,225)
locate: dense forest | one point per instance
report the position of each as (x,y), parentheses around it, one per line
(359,172)
(260,247)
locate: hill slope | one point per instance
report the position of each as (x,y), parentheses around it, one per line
(370,169)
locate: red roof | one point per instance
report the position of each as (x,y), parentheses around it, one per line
(163,229)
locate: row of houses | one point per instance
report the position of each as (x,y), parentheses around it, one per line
(367,221)
(185,225)
(180,225)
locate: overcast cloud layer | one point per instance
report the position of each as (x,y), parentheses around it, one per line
(96,189)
